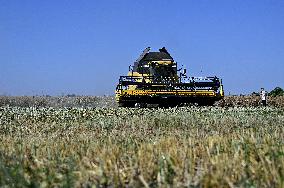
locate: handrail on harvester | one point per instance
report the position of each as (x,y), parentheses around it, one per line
(191,83)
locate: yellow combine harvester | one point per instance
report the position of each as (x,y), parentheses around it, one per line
(155,79)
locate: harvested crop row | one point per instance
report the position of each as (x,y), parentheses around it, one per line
(109,101)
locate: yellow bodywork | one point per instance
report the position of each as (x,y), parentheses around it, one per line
(140,92)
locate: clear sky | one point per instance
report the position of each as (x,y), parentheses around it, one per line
(59,47)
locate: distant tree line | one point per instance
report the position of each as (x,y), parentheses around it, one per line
(278,91)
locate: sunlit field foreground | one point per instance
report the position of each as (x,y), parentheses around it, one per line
(81,147)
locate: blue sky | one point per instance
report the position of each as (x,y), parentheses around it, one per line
(62,46)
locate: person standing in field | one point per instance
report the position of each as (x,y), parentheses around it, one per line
(263,96)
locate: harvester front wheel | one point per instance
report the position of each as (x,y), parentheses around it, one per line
(140,105)
(206,103)
(126,104)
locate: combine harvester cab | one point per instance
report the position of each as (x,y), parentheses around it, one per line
(155,80)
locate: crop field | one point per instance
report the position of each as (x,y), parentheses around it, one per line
(45,145)
(109,101)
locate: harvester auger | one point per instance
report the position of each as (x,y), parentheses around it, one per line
(154,79)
